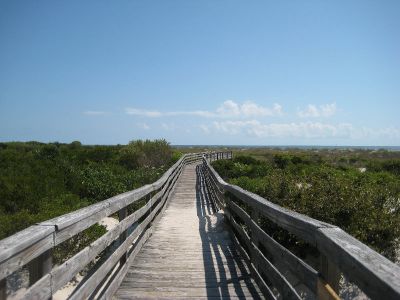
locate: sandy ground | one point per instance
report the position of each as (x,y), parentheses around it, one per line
(109,223)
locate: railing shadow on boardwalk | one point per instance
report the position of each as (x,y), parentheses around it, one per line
(217,248)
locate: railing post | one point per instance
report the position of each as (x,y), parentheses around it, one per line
(253,238)
(328,285)
(40,266)
(3,289)
(122,213)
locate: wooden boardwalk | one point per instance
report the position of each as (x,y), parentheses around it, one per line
(190,254)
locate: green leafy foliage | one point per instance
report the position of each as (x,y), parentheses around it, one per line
(366,204)
(146,153)
(41,181)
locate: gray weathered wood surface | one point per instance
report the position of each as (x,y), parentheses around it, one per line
(178,246)
(190,254)
(378,277)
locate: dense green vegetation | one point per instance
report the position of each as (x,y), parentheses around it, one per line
(358,191)
(41,181)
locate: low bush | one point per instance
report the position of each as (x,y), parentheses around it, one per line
(365,204)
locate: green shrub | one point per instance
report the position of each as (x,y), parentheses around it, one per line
(366,204)
(41,181)
(146,154)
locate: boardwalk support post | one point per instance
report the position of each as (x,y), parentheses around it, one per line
(40,266)
(328,283)
(122,213)
(3,289)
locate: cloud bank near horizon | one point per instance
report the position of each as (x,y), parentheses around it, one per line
(228,109)
(252,120)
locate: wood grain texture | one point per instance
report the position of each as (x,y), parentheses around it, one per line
(190,253)
(40,290)
(377,276)
(374,274)
(277,252)
(25,255)
(263,265)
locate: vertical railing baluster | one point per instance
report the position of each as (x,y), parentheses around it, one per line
(331,276)
(122,213)
(3,289)
(253,238)
(40,266)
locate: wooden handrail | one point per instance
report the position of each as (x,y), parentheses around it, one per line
(374,274)
(34,244)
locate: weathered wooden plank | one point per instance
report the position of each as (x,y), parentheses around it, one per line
(65,272)
(165,297)
(266,291)
(99,210)
(299,268)
(112,204)
(113,286)
(147,293)
(209,262)
(296,223)
(373,273)
(108,208)
(263,265)
(193,278)
(40,290)
(3,289)
(22,240)
(40,266)
(25,255)
(91,283)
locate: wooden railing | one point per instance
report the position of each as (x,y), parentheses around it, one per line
(270,262)
(32,248)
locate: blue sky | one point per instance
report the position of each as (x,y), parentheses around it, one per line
(201,72)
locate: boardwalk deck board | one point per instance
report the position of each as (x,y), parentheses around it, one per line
(178,246)
(190,253)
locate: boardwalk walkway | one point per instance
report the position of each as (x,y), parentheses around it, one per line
(177,246)
(190,254)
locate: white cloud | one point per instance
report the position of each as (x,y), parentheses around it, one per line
(94,113)
(228,109)
(167,127)
(205,128)
(142,112)
(143,126)
(248,109)
(312,111)
(296,130)
(309,130)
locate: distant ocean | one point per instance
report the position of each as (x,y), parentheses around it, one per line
(305,147)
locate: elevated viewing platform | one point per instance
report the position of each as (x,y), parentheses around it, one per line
(192,235)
